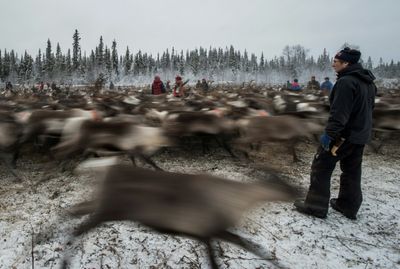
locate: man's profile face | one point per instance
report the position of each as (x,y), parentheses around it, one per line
(339,65)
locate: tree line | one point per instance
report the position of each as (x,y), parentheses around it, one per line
(226,64)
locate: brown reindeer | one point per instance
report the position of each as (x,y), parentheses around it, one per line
(124,136)
(386,126)
(202,207)
(286,129)
(206,125)
(10,141)
(50,123)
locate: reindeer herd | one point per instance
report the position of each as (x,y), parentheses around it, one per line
(66,123)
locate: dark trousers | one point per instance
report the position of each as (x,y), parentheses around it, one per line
(350,195)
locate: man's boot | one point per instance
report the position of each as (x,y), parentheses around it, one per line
(335,206)
(302,207)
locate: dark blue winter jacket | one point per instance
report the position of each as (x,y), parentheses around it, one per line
(327,85)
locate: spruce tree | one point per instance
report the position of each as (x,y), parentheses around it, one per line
(194,62)
(262,63)
(76,48)
(168,64)
(158,65)
(203,61)
(127,62)
(369,63)
(13,65)
(100,54)
(68,63)
(58,60)
(253,63)
(138,63)
(6,65)
(114,58)
(107,61)
(21,70)
(39,65)
(181,63)
(1,68)
(245,62)
(27,64)
(49,61)
(232,60)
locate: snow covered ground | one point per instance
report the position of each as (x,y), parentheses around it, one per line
(297,241)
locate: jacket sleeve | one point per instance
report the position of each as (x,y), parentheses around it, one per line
(341,107)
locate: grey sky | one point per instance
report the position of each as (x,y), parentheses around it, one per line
(154,25)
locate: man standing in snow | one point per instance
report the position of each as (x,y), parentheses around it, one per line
(347,131)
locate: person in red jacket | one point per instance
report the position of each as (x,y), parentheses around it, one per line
(158,86)
(179,88)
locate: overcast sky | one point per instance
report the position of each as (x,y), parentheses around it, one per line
(154,25)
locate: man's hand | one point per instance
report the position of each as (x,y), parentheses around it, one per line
(325,141)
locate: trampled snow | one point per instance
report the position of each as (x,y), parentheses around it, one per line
(297,241)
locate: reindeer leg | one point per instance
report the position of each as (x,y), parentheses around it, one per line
(249,246)
(14,158)
(5,158)
(292,147)
(83,208)
(150,161)
(204,144)
(316,138)
(228,148)
(255,146)
(241,149)
(87,225)
(376,146)
(210,252)
(67,250)
(132,156)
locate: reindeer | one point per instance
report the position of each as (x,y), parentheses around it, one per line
(386,125)
(207,125)
(122,135)
(44,124)
(202,207)
(10,141)
(287,129)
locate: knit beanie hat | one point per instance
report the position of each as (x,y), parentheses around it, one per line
(348,55)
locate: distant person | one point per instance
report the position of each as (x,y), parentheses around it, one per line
(179,88)
(9,86)
(288,85)
(326,86)
(198,84)
(204,85)
(313,84)
(295,86)
(53,86)
(158,86)
(111,85)
(168,86)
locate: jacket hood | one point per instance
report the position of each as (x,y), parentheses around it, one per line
(358,71)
